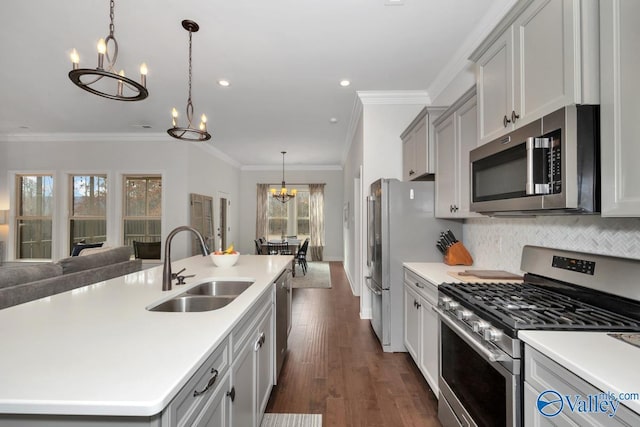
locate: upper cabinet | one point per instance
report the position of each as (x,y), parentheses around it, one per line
(417,145)
(620,108)
(541,56)
(455,134)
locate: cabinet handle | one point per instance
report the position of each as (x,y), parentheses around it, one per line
(211,382)
(505,121)
(450,208)
(420,285)
(259,342)
(514,116)
(418,305)
(411,172)
(455,208)
(232,394)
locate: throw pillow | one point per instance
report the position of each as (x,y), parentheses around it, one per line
(80,246)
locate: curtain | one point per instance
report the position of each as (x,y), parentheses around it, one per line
(262,211)
(316,221)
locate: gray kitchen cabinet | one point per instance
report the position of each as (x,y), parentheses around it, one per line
(421,326)
(620,109)
(216,411)
(543,375)
(417,145)
(193,397)
(455,135)
(253,363)
(283,319)
(542,56)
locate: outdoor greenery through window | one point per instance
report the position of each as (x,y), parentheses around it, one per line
(88,219)
(34,217)
(142,209)
(290,218)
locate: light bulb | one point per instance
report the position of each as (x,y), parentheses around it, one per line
(143,69)
(75,58)
(203,118)
(102,46)
(294,191)
(121,73)
(174,117)
(273,191)
(203,127)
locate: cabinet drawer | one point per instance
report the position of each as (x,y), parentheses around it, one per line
(187,405)
(425,289)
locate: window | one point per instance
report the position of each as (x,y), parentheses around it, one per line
(34,219)
(88,213)
(142,209)
(291,218)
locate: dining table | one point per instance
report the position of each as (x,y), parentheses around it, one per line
(293,245)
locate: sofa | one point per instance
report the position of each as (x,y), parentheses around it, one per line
(20,284)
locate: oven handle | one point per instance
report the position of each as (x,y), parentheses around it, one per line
(471,340)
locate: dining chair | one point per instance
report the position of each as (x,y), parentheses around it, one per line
(301,256)
(146,250)
(279,248)
(258,246)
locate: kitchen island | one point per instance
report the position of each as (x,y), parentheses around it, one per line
(98,351)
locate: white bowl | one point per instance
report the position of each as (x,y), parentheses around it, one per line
(225,260)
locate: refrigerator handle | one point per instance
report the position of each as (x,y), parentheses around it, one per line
(375,290)
(370,230)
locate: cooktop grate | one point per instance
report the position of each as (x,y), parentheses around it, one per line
(526,306)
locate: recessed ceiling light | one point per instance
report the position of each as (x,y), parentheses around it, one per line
(224,83)
(394,2)
(345,83)
(333,120)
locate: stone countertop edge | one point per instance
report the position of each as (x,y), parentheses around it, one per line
(98,351)
(606,363)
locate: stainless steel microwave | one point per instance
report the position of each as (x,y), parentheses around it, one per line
(549,166)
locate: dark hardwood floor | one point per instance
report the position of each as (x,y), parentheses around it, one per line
(336,367)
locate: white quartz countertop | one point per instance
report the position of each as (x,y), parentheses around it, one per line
(96,350)
(606,363)
(435,272)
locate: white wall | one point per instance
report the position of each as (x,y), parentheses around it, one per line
(184,168)
(333,202)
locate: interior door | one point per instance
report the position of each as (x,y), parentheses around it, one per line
(201,218)
(223,229)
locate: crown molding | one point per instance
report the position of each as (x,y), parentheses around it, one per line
(394,97)
(305,168)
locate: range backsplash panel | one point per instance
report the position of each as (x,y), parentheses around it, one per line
(496,243)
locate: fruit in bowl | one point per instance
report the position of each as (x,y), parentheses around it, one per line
(226,258)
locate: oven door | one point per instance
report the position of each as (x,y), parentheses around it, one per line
(478,386)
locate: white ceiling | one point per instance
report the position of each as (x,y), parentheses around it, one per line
(284,59)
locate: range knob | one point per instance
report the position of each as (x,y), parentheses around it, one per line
(464,314)
(443,301)
(480,326)
(451,305)
(492,334)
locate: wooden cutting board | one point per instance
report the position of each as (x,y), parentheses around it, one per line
(485,277)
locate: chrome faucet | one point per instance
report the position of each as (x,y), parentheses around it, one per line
(167,277)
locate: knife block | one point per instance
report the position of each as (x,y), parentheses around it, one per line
(457,254)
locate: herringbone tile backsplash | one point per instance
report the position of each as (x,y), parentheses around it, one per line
(496,243)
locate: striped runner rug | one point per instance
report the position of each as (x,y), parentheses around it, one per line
(291,420)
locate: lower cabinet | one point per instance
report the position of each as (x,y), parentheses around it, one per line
(545,381)
(252,368)
(421,333)
(216,411)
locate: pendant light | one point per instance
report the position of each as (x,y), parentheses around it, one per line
(283,195)
(116,86)
(189,133)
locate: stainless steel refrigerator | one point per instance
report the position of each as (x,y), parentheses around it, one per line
(401,227)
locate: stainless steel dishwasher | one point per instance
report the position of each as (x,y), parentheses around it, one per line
(283,317)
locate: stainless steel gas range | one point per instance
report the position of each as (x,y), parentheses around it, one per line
(480,353)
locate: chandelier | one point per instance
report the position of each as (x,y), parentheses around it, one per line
(89,79)
(189,133)
(283,195)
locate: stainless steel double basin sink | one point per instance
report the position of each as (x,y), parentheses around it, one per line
(206,296)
